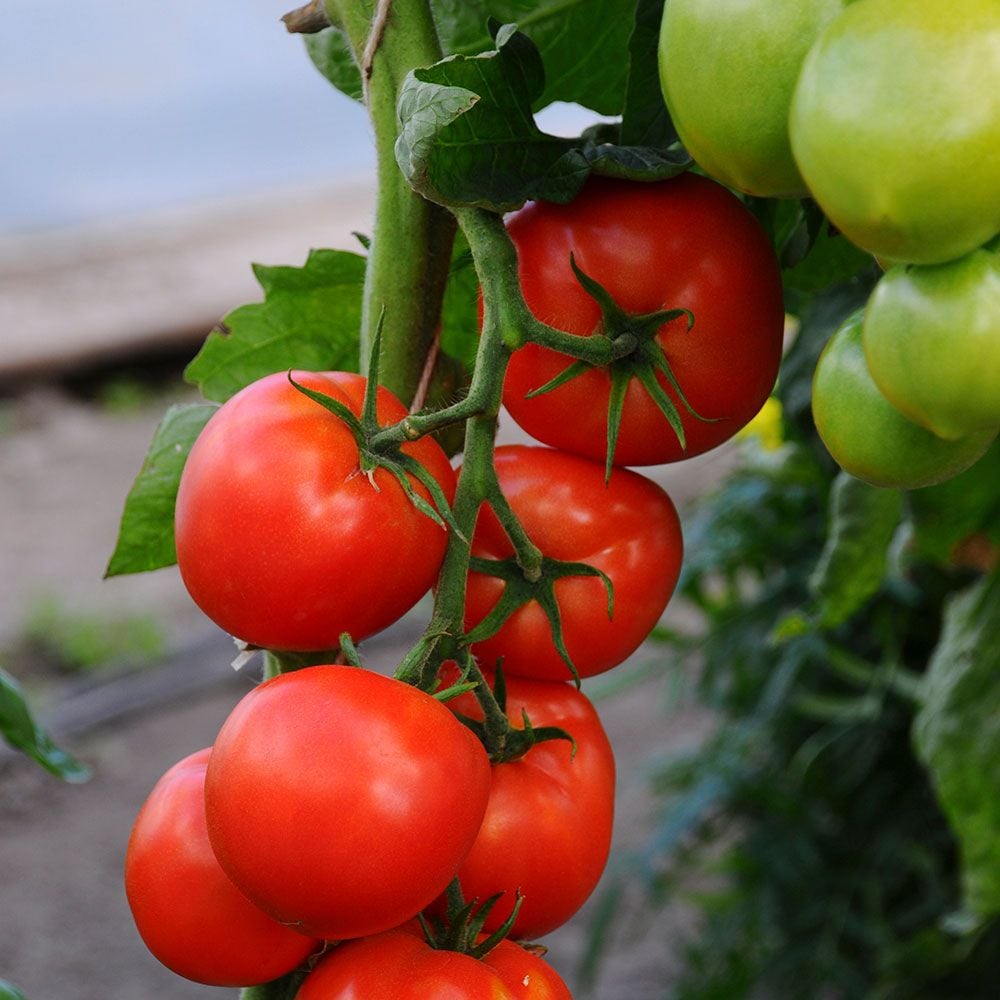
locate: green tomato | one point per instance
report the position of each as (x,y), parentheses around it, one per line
(727,69)
(932,342)
(895,125)
(867,436)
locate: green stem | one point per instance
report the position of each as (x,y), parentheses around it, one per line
(412,239)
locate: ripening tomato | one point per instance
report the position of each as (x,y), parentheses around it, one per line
(400,965)
(728,69)
(628,528)
(867,435)
(547,830)
(932,343)
(684,243)
(274,522)
(342,802)
(895,126)
(187,910)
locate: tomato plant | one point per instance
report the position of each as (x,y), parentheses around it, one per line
(932,343)
(187,910)
(341,801)
(895,126)
(627,528)
(274,519)
(867,435)
(547,829)
(399,964)
(728,69)
(684,243)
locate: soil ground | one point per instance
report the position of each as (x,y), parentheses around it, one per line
(65,931)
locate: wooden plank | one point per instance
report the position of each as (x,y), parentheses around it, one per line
(72,296)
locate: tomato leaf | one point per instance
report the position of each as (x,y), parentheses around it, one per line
(584,46)
(961,509)
(852,565)
(468,136)
(146,535)
(19,728)
(310,319)
(957,735)
(459,319)
(645,119)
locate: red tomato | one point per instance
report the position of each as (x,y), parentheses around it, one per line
(275,526)
(342,801)
(628,528)
(188,912)
(547,829)
(683,243)
(400,965)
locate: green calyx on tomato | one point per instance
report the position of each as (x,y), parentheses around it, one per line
(867,436)
(932,342)
(895,126)
(728,69)
(684,247)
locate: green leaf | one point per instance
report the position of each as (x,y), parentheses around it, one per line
(146,535)
(331,54)
(852,565)
(957,735)
(830,258)
(468,136)
(584,45)
(8,991)
(459,314)
(20,730)
(310,319)
(952,512)
(645,119)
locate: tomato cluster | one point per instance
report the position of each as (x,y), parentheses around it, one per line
(885,113)
(337,804)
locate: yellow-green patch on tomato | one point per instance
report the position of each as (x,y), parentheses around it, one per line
(867,436)
(932,343)
(727,70)
(895,126)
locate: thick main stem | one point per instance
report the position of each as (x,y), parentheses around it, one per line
(412,239)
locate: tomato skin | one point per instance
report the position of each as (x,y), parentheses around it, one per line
(187,911)
(680,243)
(728,69)
(341,801)
(867,435)
(629,529)
(932,343)
(274,525)
(547,829)
(896,127)
(400,965)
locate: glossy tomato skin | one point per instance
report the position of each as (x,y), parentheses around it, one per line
(400,965)
(932,343)
(684,243)
(628,528)
(728,69)
(547,829)
(895,126)
(274,525)
(342,801)
(867,435)
(188,912)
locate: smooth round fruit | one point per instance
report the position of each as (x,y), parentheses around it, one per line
(343,802)
(684,243)
(867,435)
(932,343)
(628,528)
(275,523)
(400,965)
(728,69)
(547,829)
(895,126)
(187,910)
